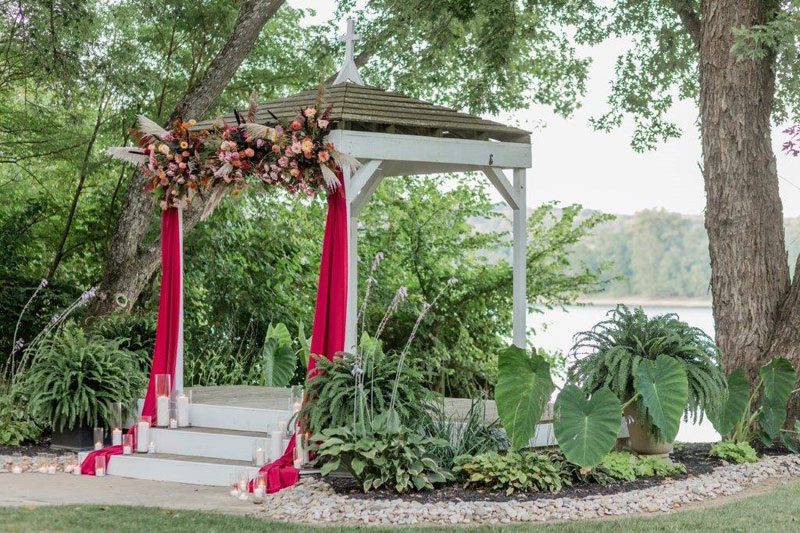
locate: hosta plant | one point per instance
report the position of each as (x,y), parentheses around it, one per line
(524,471)
(611,355)
(388,456)
(75,377)
(746,414)
(733,451)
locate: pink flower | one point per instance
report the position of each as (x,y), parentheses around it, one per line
(181,165)
(283,161)
(310,112)
(249,152)
(276,149)
(259,143)
(297,148)
(322,123)
(323,156)
(289,152)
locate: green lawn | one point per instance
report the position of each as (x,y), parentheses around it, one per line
(774,511)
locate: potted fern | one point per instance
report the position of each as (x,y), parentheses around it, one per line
(73,380)
(608,356)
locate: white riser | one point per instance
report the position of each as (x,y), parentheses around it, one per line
(201,444)
(193,473)
(236,418)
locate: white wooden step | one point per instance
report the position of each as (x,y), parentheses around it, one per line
(237,418)
(179,468)
(208,442)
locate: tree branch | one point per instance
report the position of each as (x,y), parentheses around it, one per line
(689,19)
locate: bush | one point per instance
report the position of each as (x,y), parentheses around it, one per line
(733,452)
(470,435)
(524,471)
(396,459)
(16,426)
(335,392)
(621,466)
(609,354)
(136,333)
(74,377)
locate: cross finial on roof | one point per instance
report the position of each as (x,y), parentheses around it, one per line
(349,70)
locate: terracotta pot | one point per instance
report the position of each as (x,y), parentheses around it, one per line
(642,442)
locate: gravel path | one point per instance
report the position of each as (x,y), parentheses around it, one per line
(313,501)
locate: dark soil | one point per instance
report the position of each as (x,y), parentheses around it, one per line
(29,449)
(694,457)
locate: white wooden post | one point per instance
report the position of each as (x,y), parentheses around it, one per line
(351,337)
(520,233)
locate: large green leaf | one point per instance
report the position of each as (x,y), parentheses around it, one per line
(278,362)
(279,332)
(734,405)
(772,416)
(779,379)
(586,430)
(523,389)
(665,389)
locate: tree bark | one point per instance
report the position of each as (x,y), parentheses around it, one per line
(130,262)
(744,213)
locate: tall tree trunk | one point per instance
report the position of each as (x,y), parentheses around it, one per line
(744,213)
(130,261)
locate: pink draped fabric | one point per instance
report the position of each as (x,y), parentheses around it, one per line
(169,334)
(327,337)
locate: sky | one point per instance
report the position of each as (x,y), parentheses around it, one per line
(572,163)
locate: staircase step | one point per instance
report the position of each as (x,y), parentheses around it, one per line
(192,470)
(218,443)
(237,418)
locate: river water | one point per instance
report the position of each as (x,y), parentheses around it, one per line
(555,329)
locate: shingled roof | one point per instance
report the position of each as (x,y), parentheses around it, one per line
(365,108)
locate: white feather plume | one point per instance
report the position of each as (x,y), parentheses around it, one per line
(150,129)
(330,177)
(255,131)
(213,201)
(346,160)
(224,170)
(127,154)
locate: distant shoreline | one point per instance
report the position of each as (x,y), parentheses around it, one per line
(633,301)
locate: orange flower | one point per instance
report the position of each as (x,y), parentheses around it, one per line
(297,125)
(184,145)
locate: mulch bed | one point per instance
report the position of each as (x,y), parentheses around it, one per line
(30,450)
(694,457)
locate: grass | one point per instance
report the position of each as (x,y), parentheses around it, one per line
(776,510)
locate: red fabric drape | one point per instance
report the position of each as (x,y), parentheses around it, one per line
(168,328)
(327,337)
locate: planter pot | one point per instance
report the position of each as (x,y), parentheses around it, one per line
(77,439)
(642,442)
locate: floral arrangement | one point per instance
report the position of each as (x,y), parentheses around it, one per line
(187,161)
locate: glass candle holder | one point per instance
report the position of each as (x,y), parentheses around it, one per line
(259,482)
(183,402)
(127,444)
(99,435)
(260,452)
(295,399)
(299,454)
(244,478)
(100,466)
(173,412)
(115,418)
(163,386)
(143,434)
(234,485)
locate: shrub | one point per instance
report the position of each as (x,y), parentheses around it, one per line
(622,466)
(74,377)
(733,452)
(468,435)
(16,426)
(610,353)
(336,394)
(136,333)
(394,458)
(525,471)
(657,466)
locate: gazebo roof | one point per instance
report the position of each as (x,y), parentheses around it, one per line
(363,108)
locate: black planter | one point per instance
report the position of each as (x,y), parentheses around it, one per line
(78,439)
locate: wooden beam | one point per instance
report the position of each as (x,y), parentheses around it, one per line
(361,178)
(520,261)
(502,185)
(423,149)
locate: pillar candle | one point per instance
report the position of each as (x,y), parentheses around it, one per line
(126,450)
(116,437)
(142,436)
(276,444)
(261,457)
(162,411)
(99,472)
(173,423)
(98,445)
(183,410)
(299,455)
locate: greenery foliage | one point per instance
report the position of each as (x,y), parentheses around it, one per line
(75,377)
(611,353)
(394,458)
(733,451)
(336,395)
(16,425)
(457,435)
(515,471)
(586,429)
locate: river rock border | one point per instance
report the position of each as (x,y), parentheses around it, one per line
(312,501)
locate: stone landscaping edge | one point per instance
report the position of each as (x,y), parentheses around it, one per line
(312,501)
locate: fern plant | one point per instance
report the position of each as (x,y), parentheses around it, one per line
(75,377)
(609,355)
